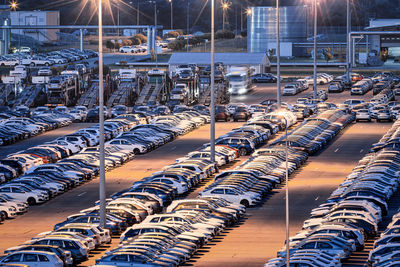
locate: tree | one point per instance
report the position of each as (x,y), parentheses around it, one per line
(127,42)
(110,44)
(224,34)
(171,34)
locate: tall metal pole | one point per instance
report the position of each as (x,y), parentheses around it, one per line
(278,57)
(348,22)
(118,17)
(155,13)
(102,190)
(81,39)
(212,123)
(315,50)
(287,196)
(138,13)
(172,15)
(187,27)
(223,18)
(241,18)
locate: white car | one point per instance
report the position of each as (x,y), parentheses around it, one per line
(33,258)
(203,155)
(8,211)
(24,194)
(9,62)
(128,145)
(231,195)
(290,89)
(128,49)
(35,61)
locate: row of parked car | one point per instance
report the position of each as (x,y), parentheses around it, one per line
(173,237)
(47,59)
(13,129)
(351,214)
(244,186)
(296,87)
(41,172)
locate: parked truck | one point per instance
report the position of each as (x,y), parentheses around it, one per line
(63,90)
(239,80)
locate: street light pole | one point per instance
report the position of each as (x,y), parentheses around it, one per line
(118,17)
(138,13)
(187,27)
(348,26)
(172,15)
(212,123)
(102,189)
(287,195)
(315,50)
(278,57)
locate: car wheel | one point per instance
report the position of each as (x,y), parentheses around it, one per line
(242,151)
(4,215)
(136,151)
(46,64)
(31,201)
(32,64)
(245,203)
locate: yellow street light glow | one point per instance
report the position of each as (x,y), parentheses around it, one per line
(13,5)
(225,5)
(248,11)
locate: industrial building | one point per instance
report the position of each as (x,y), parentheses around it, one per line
(36,18)
(381,42)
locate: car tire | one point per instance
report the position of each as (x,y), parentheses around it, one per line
(4,215)
(32,64)
(136,151)
(243,151)
(245,203)
(46,64)
(31,201)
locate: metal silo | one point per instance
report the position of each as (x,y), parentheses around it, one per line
(261,26)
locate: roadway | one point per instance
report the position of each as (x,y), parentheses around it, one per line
(261,233)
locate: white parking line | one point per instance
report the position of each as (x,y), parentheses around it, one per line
(336,150)
(81,194)
(361,151)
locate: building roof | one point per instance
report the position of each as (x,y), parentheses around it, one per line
(386,24)
(225,58)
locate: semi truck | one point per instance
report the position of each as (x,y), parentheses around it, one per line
(239,80)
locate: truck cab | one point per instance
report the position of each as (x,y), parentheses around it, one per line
(239,81)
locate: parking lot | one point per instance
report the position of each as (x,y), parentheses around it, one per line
(260,234)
